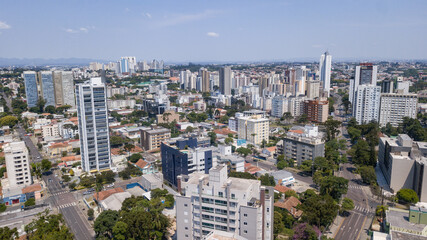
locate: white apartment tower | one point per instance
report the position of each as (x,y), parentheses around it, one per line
(366,103)
(17,164)
(395,106)
(93,125)
(64,88)
(255,129)
(215,202)
(325,71)
(365,74)
(279,105)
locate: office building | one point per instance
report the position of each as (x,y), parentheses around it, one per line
(205,79)
(325,72)
(93,125)
(30,81)
(395,106)
(176,161)
(300,79)
(303,143)
(366,103)
(279,105)
(215,202)
(365,74)
(255,129)
(47,87)
(184,79)
(225,80)
(403,163)
(151,138)
(64,88)
(17,164)
(316,110)
(402,86)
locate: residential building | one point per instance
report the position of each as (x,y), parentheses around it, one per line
(151,181)
(313,89)
(403,86)
(255,129)
(303,143)
(145,167)
(325,72)
(316,110)
(366,103)
(216,202)
(395,106)
(47,87)
(279,105)
(205,76)
(225,80)
(177,161)
(365,74)
(30,81)
(55,150)
(64,88)
(295,105)
(290,204)
(387,86)
(17,164)
(223,155)
(403,163)
(93,125)
(151,138)
(51,130)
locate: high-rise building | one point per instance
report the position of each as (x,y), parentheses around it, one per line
(93,125)
(177,161)
(366,74)
(205,76)
(301,76)
(402,86)
(263,84)
(17,164)
(366,103)
(387,86)
(30,80)
(279,105)
(47,87)
(255,129)
(316,110)
(215,202)
(225,80)
(313,89)
(185,79)
(64,88)
(395,106)
(325,71)
(124,65)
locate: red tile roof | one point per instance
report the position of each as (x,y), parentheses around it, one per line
(297,131)
(141,163)
(32,188)
(224,131)
(290,204)
(104,194)
(281,188)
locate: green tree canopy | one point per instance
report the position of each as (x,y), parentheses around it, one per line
(48,226)
(407,196)
(333,186)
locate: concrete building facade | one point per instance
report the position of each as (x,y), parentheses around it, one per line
(395,106)
(17,164)
(152,138)
(254,129)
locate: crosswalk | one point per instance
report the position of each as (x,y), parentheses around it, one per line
(59,193)
(66,205)
(363,210)
(355,187)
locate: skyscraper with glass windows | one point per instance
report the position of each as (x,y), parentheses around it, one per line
(47,88)
(93,125)
(30,80)
(325,71)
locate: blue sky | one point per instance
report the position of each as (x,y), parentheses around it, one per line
(214,30)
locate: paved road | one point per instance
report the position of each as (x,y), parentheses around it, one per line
(34,153)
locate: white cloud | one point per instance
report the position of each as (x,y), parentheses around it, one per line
(79,30)
(69,30)
(83,29)
(176,19)
(4,25)
(148,15)
(212,34)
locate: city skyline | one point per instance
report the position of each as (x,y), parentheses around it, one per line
(223,31)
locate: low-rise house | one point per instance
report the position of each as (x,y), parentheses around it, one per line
(55,150)
(290,204)
(152,181)
(145,167)
(283,177)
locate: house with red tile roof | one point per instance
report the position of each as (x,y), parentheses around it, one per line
(290,204)
(104,194)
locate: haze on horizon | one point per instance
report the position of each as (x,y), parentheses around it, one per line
(214,30)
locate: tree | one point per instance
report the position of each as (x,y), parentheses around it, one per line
(368,174)
(8,234)
(243,151)
(40,104)
(267,180)
(46,165)
(319,210)
(129,147)
(108,177)
(304,231)
(48,226)
(360,153)
(30,202)
(2,207)
(105,222)
(212,135)
(347,205)
(8,121)
(281,164)
(116,141)
(90,213)
(244,175)
(278,223)
(50,109)
(72,185)
(135,157)
(228,140)
(333,186)
(405,196)
(331,128)
(120,231)
(354,134)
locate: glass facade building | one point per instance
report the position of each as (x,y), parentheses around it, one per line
(93,125)
(30,79)
(47,87)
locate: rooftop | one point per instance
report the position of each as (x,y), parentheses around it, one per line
(400,218)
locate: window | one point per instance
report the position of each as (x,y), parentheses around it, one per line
(245,215)
(245,231)
(245,223)
(220,194)
(185,205)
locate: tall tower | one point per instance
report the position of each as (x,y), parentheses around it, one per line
(366,74)
(325,71)
(93,125)
(225,80)
(30,80)
(204,74)
(47,87)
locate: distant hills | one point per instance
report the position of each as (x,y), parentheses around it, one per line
(6,62)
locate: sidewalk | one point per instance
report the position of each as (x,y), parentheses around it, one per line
(336,225)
